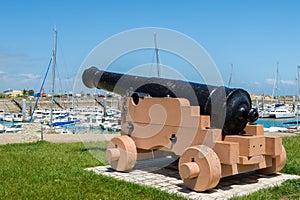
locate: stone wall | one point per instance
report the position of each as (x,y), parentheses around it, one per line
(31,132)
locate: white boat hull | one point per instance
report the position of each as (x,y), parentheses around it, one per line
(285,115)
(264,115)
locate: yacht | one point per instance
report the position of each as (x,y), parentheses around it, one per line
(297,110)
(281,111)
(277,111)
(106,125)
(266,112)
(2,112)
(16,128)
(2,128)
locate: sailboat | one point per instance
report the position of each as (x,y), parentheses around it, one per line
(277,111)
(295,124)
(297,104)
(52,63)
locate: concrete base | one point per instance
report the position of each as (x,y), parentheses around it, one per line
(168,179)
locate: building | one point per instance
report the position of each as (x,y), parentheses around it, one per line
(13,93)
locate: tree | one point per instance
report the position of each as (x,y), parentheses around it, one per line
(24,93)
(30,92)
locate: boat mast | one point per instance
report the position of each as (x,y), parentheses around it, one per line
(157,56)
(53,79)
(230,77)
(275,87)
(277,83)
(297,100)
(298,76)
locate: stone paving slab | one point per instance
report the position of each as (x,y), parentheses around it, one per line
(168,179)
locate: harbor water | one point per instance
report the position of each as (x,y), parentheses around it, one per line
(272,122)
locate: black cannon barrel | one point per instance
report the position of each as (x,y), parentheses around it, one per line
(229,108)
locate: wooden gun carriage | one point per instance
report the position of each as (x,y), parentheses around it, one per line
(171,124)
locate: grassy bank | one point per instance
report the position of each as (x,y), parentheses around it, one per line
(55,171)
(45,170)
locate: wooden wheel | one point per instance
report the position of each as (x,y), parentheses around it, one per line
(199,168)
(121,153)
(278,163)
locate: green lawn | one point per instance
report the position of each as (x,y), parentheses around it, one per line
(292,147)
(45,170)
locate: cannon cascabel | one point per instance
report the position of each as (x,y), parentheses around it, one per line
(230,108)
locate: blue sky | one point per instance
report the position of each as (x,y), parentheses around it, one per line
(251,35)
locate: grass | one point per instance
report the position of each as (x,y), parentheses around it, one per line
(45,170)
(289,189)
(292,147)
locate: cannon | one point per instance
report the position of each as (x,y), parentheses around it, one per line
(159,120)
(230,108)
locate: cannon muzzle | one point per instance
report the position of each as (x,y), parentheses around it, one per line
(230,108)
